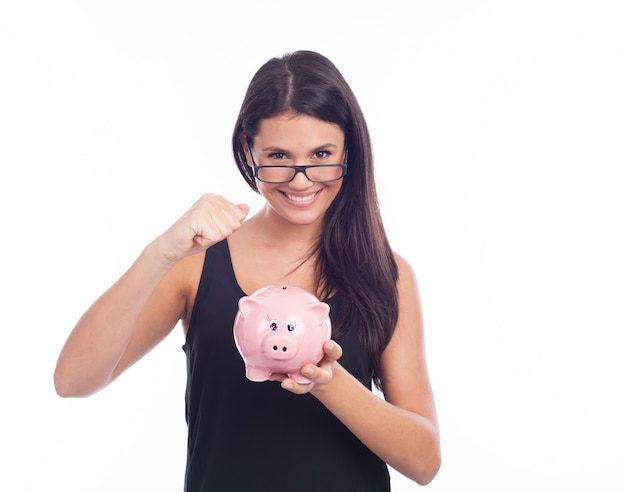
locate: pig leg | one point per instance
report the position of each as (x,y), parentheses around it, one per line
(299,378)
(257,374)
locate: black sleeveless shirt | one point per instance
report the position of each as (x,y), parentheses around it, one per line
(257,437)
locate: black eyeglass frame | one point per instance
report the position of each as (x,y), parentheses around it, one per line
(298,169)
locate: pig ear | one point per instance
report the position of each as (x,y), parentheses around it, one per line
(247,305)
(320,310)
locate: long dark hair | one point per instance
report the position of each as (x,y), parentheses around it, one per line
(354,262)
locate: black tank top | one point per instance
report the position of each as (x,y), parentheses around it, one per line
(257,437)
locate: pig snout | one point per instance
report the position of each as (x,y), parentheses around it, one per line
(280,347)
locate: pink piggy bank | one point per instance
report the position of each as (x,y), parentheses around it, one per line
(279,329)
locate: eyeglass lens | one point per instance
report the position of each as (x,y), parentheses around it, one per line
(283,174)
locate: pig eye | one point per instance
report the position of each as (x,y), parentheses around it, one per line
(274,325)
(291,325)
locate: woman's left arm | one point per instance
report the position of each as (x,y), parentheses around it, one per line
(402,429)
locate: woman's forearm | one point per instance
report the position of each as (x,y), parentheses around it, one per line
(404,439)
(100,337)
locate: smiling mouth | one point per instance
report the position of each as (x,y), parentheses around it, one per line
(301,199)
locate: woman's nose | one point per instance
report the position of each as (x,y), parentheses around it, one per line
(300,181)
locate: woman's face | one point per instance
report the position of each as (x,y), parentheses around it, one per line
(298,140)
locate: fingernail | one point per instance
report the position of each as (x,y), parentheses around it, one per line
(331,346)
(308,371)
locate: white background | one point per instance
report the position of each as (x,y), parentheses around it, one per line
(499,133)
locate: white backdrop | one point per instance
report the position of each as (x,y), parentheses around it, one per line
(499,137)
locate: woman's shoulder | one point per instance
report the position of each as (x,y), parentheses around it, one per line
(404,267)
(407,280)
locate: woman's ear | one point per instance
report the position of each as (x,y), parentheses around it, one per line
(243,141)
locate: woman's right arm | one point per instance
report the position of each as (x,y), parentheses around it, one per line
(144,305)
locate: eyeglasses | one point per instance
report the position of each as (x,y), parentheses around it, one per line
(317,173)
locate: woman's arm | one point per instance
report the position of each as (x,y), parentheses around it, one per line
(143,306)
(129,319)
(402,429)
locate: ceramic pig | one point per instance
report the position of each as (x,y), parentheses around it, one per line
(279,329)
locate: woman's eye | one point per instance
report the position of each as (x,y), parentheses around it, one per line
(276,155)
(322,154)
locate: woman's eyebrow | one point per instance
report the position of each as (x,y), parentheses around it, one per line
(325,146)
(274,149)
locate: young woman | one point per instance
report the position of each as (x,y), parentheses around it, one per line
(301,142)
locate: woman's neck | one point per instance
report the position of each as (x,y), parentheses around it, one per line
(272,229)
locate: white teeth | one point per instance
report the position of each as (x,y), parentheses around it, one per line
(301,198)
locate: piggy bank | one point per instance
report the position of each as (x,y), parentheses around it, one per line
(279,329)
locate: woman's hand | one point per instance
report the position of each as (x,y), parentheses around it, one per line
(320,374)
(211,219)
